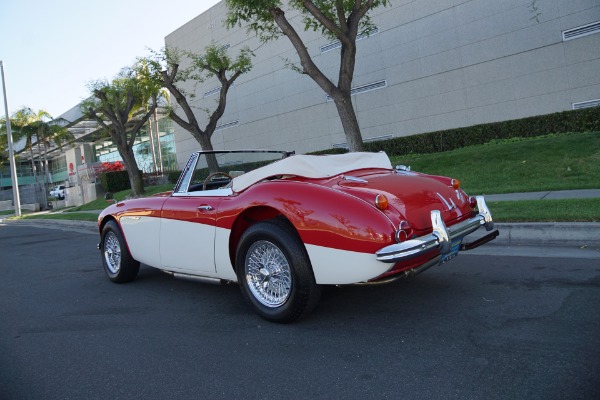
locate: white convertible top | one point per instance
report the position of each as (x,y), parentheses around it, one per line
(313,167)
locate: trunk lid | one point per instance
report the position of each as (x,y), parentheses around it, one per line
(412,194)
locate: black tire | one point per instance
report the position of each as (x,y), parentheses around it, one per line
(119,265)
(298,293)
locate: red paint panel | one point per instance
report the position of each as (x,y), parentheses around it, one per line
(142,207)
(320,215)
(202,210)
(414,196)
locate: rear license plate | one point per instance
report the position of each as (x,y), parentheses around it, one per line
(453,251)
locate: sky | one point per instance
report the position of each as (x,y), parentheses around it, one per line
(51,50)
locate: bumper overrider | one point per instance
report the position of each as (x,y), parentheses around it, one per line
(442,238)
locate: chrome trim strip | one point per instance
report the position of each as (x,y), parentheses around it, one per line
(353,179)
(206,193)
(441,238)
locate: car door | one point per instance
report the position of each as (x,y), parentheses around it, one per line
(187,232)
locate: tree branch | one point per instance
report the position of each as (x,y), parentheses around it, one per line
(362,11)
(339,7)
(308,65)
(220,110)
(173,74)
(107,112)
(191,124)
(324,20)
(142,121)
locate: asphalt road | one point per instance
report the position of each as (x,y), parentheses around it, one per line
(480,327)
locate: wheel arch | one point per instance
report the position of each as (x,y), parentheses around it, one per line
(106,220)
(109,218)
(250,217)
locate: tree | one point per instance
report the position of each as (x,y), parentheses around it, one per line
(41,130)
(121,108)
(339,20)
(165,67)
(22,123)
(52,132)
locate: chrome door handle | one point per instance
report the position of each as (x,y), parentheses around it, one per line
(205,208)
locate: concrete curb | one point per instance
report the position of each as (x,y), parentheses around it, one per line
(553,234)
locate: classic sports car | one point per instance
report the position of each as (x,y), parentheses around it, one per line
(283,225)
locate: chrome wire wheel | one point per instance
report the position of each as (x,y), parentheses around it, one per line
(268,274)
(112,253)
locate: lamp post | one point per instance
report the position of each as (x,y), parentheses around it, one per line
(11,153)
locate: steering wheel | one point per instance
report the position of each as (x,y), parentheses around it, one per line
(210,176)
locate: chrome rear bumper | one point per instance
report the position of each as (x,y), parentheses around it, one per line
(441,238)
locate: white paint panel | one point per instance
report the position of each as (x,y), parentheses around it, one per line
(142,234)
(187,247)
(338,267)
(222,261)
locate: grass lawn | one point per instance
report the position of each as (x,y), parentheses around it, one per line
(101,204)
(11,211)
(578,210)
(72,216)
(557,162)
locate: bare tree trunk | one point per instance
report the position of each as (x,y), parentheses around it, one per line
(340,93)
(46,166)
(211,159)
(33,167)
(41,159)
(151,142)
(160,161)
(44,171)
(134,173)
(349,123)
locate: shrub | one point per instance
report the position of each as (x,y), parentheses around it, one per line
(173,176)
(114,181)
(112,167)
(584,120)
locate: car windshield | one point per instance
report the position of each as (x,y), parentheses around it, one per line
(214,170)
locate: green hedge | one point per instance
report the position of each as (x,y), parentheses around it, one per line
(114,181)
(173,176)
(584,120)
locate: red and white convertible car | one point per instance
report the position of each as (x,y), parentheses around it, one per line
(283,225)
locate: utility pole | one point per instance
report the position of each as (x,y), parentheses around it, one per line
(11,152)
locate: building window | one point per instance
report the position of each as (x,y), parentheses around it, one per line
(337,44)
(581,31)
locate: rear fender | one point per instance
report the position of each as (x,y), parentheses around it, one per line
(321,216)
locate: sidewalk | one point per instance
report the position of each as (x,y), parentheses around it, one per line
(552,195)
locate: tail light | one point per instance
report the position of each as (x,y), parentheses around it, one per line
(404,231)
(381,202)
(472,201)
